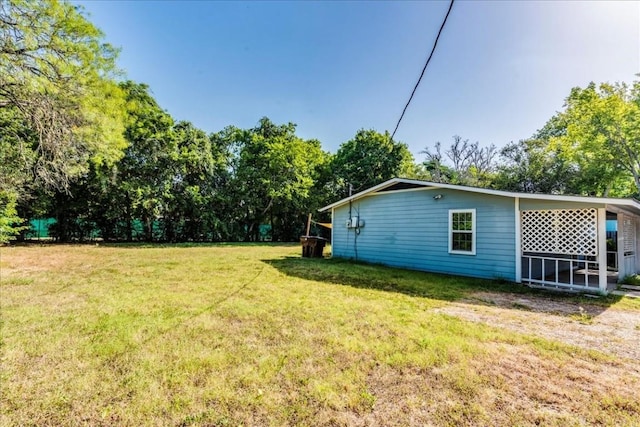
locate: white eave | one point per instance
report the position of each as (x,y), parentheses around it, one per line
(613,202)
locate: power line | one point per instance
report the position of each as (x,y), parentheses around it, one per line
(433,49)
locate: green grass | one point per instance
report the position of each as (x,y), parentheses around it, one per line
(255,335)
(633,279)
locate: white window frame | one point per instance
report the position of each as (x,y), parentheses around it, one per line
(472,232)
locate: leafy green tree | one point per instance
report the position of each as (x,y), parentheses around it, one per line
(165,183)
(10,222)
(13,155)
(57,78)
(369,159)
(273,175)
(14,179)
(144,175)
(602,137)
(189,211)
(226,213)
(530,166)
(117,198)
(289,216)
(60,110)
(592,147)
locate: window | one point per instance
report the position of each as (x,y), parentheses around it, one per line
(462,231)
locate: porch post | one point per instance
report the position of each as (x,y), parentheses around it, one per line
(620,246)
(602,249)
(333,226)
(518,242)
(637,248)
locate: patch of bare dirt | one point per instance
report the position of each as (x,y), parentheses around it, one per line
(609,330)
(511,386)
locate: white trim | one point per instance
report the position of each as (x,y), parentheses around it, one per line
(518,241)
(406,190)
(623,209)
(333,225)
(361,194)
(602,249)
(555,273)
(555,197)
(620,246)
(637,264)
(473,231)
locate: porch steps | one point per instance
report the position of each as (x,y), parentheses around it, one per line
(630,287)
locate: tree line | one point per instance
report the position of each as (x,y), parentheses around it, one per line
(96,152)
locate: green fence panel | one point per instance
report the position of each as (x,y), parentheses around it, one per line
(40,228)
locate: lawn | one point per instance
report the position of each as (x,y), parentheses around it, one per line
(228,335)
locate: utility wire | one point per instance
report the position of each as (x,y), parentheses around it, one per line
(433,49)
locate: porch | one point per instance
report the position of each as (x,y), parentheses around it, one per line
(566,273)
(588,250)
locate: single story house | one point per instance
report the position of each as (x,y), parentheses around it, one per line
(564,242)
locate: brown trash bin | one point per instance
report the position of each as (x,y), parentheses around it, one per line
(312,246)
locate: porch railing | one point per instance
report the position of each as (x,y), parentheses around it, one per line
(560,272)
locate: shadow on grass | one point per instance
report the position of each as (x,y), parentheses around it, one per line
(442,287)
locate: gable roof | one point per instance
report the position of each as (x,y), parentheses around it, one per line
(396,184)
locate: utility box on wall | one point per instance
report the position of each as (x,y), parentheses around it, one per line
(355,222)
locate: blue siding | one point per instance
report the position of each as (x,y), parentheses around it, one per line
(410,229)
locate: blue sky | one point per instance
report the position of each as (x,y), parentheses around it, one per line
(501,70)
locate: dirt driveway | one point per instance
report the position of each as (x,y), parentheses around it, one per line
(609,330)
